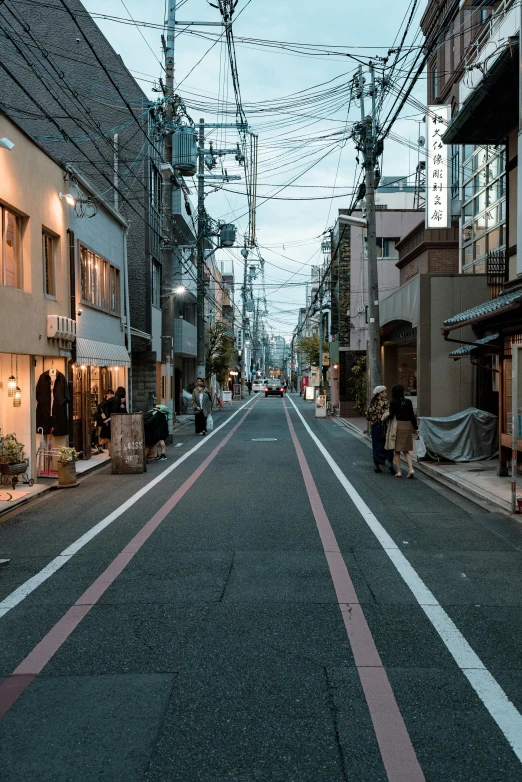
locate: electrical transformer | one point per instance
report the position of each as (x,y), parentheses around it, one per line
(227,235)
(185,150)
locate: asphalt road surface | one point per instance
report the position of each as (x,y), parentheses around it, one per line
(261,607)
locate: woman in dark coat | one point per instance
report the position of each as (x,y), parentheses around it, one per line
(378,406)
(401,410)
(202,406)
(122,399)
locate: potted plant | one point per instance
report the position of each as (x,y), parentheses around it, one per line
(11,451)
(67,459)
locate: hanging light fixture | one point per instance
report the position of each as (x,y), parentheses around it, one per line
(17,400)
(11,381)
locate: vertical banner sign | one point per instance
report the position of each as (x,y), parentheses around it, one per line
(438,185)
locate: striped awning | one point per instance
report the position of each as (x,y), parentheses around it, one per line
(101,354)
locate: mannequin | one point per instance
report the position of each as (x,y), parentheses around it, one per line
(52,400)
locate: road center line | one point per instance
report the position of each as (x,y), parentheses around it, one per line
(501,709)
(15,684)
(55,564)
(398,755)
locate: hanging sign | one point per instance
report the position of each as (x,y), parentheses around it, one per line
(438,185)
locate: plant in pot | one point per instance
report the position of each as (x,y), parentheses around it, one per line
(11,451)
(67,459)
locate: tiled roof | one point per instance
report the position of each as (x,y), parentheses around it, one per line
(465,350)
(484,310)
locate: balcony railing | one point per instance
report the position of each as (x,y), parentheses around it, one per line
(185,338)
(487,32)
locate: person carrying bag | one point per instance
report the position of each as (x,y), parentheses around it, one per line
(202,406)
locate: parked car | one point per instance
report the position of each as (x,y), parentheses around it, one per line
(273,387)
(258,385)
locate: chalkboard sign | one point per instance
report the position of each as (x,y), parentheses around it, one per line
(127,444)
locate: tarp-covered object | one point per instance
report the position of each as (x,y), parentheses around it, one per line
(468,436)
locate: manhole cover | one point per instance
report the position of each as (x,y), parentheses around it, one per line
(264,439)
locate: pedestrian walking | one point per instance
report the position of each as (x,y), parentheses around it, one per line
(378,406)
(202,405)
(401,429)
(249,386)
(156,428)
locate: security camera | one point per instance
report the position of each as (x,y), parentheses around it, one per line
(77,40)
(6,144)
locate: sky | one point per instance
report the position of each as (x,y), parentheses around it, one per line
(307,131)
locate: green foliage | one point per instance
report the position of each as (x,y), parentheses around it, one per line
(68,455)
(309,348)
(220,351)
(12,449)
(358,382)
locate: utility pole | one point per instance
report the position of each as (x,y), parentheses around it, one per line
(321,337)
(200,320)
(167,301)
(244,253)
(369,141)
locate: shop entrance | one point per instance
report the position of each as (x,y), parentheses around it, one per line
(89,386)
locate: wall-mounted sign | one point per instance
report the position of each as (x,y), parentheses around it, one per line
(438,185)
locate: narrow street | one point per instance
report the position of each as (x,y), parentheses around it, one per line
(265,608)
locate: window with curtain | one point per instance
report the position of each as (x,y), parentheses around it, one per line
(11,255)
(49,251)
(99,282)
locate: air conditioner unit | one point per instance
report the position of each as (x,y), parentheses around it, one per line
(60,327)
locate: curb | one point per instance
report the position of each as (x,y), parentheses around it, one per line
(475,496)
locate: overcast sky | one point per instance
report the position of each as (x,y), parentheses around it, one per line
(289,231)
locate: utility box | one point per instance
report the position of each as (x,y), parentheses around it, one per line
(320,406)
(227,235)
(185,150)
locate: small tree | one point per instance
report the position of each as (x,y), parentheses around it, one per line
(220,351)
(309,348)
(358,384)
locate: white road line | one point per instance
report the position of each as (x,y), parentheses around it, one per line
(34,582)
(503,711)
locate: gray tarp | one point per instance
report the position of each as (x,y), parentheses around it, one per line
(468,436)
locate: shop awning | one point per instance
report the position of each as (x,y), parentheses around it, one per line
(466,350)
(102,354)
(489,309)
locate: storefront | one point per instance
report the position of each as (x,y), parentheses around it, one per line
(98,367)
(399,353)
(35,407)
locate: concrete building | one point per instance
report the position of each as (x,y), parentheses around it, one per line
(476,72)
(34,286)
(97,116)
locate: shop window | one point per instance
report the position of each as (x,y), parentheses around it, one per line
(49,261)
(99,282)
(156,284)
(11,255)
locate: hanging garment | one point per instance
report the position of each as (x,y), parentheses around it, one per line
(52,412)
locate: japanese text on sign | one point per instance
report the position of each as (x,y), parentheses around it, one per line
(438,183)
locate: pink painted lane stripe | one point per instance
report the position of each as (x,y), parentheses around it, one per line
(398,755)
(15,684)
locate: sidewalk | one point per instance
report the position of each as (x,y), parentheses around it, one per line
(12,498)
(476,481)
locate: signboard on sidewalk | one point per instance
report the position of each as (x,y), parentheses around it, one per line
(127,444)
(438,185)
(237,391)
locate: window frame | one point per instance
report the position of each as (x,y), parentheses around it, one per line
(96,281)
(155,273)
(53,239)
(4,211)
